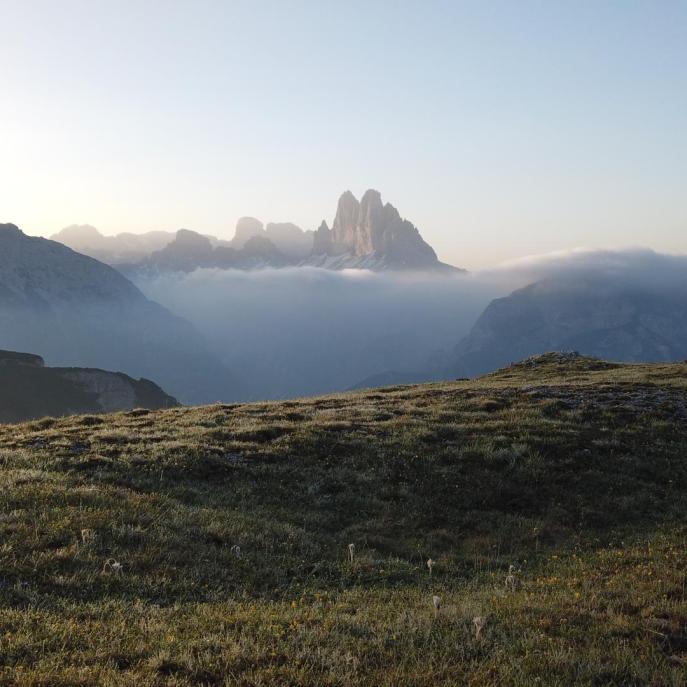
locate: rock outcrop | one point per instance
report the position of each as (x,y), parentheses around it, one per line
(290,240)
(323,243)
(14,359)
(190,251)
(372,235)
(29,390)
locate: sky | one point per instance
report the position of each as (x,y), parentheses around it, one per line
(500,129)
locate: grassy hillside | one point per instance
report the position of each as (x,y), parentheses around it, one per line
(574,472)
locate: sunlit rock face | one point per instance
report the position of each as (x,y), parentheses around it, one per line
(345,230)
(373,235)
(366,234)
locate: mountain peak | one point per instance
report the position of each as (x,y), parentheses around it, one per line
(373,232)
(246,229)
(371,197)
(10,230)
(78,232)
(192,239)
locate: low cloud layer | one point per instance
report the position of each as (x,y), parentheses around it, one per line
(307,330)
(303,331)
(640,266)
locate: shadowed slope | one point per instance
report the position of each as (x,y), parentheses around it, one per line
(76,311)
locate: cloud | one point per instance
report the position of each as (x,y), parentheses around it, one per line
(643,265)
(300,331)
(304,331)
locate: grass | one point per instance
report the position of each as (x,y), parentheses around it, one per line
(574,471)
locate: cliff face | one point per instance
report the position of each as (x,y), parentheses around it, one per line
(28,390)
(11,358)
(372,235)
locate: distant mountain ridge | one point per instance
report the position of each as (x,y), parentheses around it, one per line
(113,250)
(598,316)
(365,234)
(604,316)
(29,390)
(87,314)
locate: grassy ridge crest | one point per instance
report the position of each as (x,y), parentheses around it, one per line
(210,545)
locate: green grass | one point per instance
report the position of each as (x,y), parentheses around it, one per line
(573,472)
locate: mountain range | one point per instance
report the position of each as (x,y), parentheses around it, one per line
(365,234)
(76,311)
(598,315)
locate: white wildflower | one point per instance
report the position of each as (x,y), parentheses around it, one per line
(511,580)
(113,566)
(87,536)
(437,603)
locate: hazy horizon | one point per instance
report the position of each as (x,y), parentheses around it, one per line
(500,131)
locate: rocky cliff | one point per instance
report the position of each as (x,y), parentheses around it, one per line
(30,390)
(373,235)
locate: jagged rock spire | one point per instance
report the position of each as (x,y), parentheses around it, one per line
(370,227)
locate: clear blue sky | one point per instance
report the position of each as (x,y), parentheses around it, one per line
(500,129)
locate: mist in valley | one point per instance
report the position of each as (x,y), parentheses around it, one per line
(303,331)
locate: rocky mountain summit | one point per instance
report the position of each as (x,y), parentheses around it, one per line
(87,314)
(365,234)
(370,234)
(29,389)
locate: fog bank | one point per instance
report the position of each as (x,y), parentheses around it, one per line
(302,331)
